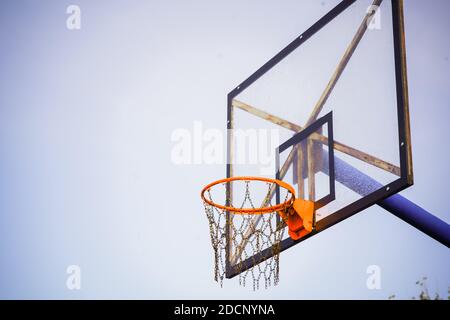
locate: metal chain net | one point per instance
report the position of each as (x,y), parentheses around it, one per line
(246,239)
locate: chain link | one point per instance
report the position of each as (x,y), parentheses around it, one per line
(267,235)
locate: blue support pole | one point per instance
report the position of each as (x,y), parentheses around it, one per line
(417,217)
(399,206)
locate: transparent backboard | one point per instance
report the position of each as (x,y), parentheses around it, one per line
(348,69)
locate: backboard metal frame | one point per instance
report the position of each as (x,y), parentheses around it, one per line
(301,137)
(404,172)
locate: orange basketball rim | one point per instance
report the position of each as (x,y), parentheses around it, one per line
(296,213)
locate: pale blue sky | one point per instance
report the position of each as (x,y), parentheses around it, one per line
(85,172)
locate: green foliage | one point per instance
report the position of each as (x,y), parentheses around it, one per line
(424,294)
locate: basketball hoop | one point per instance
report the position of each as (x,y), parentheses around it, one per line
(252,210)
(248,229)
